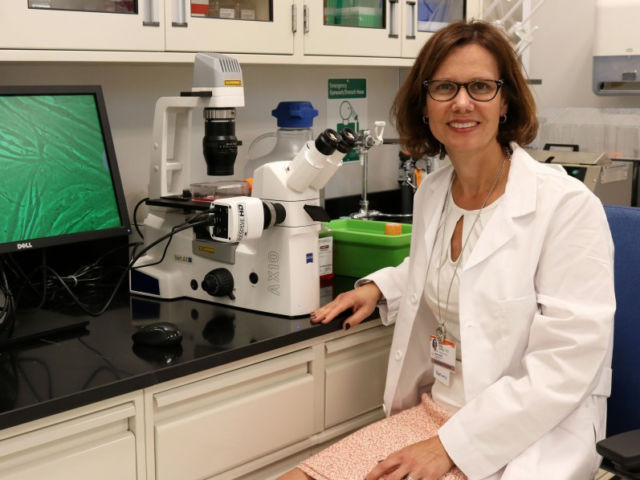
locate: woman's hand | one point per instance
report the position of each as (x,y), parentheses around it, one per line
(361,300)
(426,460)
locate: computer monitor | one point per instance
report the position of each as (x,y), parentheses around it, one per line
(60,180)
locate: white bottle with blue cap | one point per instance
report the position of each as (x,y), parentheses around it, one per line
(295,120)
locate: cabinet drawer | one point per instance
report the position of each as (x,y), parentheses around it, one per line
(100,446)
(104,460)
(355,374)
(215,424)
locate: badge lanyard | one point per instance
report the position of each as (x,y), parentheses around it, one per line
(441,330)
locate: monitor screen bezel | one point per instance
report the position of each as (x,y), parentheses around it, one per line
(125,227)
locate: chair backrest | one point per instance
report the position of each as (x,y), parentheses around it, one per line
(624,403)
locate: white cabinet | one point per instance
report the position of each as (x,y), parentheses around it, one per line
(267,28)
(375,32)
(101,442)
(81,25)
(224,421)
(415,28)
(376,28)
(371,30)
(252,419)
(354,380)
(259,417)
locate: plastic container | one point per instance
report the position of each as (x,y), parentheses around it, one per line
(210,191)
(295,120)
(361,247)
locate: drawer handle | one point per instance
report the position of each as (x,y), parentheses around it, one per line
(68,428)
(361,338)
(232,378)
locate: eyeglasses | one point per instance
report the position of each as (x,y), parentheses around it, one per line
(478,90)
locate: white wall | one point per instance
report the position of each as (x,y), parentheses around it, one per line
(561,55)
(131,91)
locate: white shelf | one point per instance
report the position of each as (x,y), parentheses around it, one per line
(99,56)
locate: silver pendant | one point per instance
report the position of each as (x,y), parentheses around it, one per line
(441,333)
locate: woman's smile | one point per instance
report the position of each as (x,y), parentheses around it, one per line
(463,126)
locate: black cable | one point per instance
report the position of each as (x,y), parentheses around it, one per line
(36,361)
(110,367)
(43,298)
(89,277)
(109,252)
(164,253)
(7,311)
(77,301)
(95,373)
(134,247)
(135,216)
(19,273)
(166,247)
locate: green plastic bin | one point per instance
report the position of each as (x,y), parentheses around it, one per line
(361,246)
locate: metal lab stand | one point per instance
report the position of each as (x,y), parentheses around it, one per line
(366,141)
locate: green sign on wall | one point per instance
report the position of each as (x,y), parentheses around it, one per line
(347,88)
(347,106)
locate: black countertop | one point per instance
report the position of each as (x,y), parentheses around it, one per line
(53,375)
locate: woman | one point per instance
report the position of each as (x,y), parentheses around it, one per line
(504,307)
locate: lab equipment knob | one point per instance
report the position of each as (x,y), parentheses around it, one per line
(219,283)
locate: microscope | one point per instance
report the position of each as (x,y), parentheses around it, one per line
(257,252)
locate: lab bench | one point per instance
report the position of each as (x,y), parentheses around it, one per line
(245,396)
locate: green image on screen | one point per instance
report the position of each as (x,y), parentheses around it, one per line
(54,169)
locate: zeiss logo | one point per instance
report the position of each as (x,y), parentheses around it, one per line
(22,246)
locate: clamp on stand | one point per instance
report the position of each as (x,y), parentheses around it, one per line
(365,141)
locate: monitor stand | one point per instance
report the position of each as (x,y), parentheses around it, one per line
(42,327)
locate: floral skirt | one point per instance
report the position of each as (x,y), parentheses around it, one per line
(357,454)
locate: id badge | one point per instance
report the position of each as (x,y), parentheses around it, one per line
(443,353)
(442,374)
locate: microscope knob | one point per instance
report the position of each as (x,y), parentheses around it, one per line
(219,283)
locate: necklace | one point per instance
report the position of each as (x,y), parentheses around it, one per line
(441,330)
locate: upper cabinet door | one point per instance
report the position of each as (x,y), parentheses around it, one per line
(421,18)
(81,24)
(357,28)
(230,26)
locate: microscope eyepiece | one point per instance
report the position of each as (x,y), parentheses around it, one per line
(327,141)
(347,141)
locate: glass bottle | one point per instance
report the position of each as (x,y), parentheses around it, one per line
(295,120)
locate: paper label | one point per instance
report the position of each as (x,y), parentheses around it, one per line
(325,255)
(442,374)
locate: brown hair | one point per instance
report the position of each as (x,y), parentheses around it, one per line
(521,124)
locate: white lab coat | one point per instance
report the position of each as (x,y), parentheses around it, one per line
(536,319)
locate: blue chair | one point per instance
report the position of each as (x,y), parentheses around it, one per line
(621,448)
